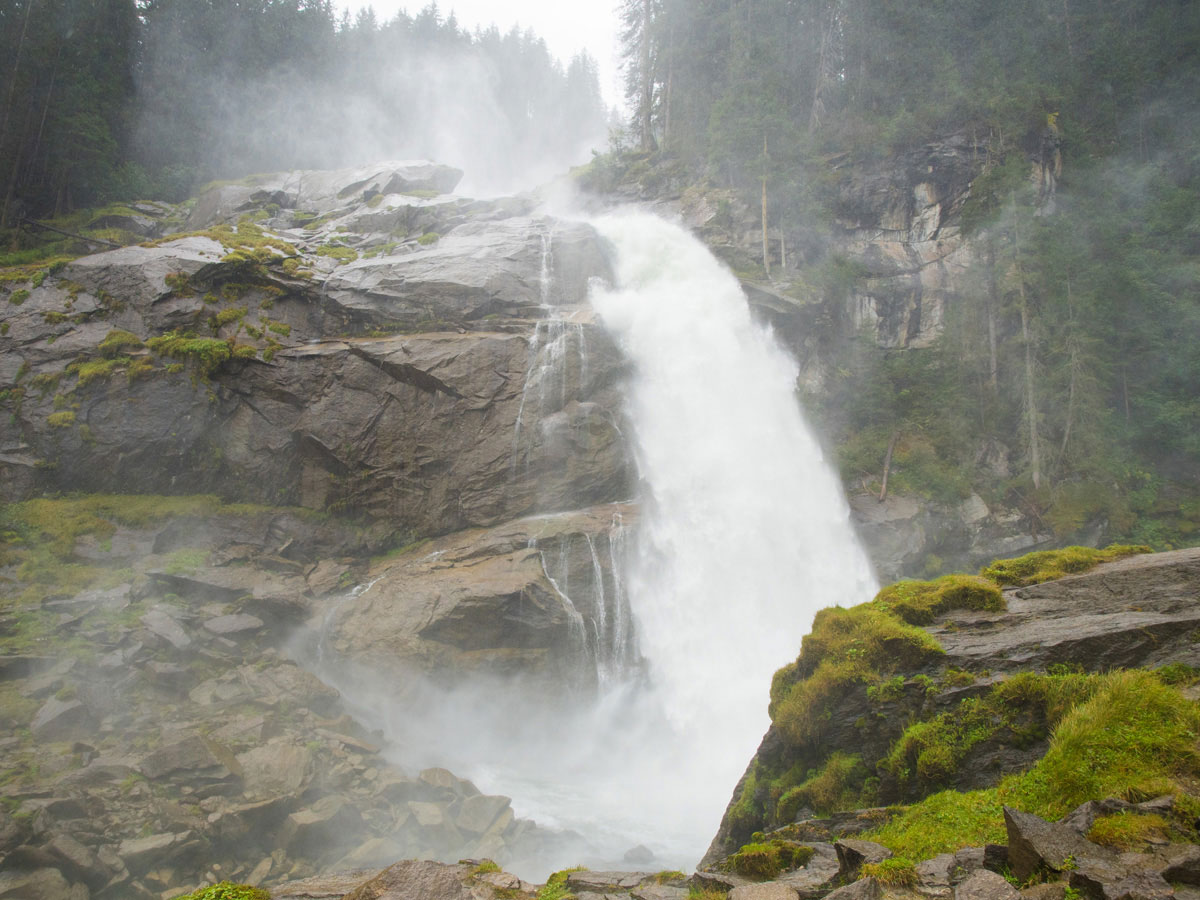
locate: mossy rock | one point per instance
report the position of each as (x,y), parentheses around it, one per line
(763,861)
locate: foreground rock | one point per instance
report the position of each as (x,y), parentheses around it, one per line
(1136,612)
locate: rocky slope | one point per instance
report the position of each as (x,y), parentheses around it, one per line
(973,688)
(402,389)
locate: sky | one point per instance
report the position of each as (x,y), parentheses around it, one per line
(567,26)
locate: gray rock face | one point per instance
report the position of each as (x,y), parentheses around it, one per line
(771,890)
(1133,612)
(491,600)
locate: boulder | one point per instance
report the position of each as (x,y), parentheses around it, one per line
(240,625)
(985,885)
(770,890)
(862,889)
(420,880)
(477,814)
(60,720)
(852,854)
(140,855)
(195,758)
(1035,844)
(39,884)
(320,830)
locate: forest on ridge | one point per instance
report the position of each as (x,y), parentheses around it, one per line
(1077,347)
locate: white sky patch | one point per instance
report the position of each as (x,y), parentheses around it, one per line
(567,27)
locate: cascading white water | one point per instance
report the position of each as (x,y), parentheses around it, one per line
(745,533)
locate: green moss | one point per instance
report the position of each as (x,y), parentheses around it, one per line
(898,871)
(96,369)
(555,887)
(179,283)
(422,194)
(488,865)
(227,890)
(429,237)
(340,252)
(116,342)
(1046,565)
(1121,734)
(16,298)
(280,328)
(1133,738)
(836,785)
(64,419)
(943,823)
(919,602)
(669,875)
(845,646)
(205,355)
(763,861)
(1129,831)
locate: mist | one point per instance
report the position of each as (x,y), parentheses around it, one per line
(260,96)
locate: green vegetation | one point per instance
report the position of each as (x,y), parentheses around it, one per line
(555,887)
(919,602)
(227,890)
(340,252)
(1046,565)
(429,237)
(64,419)
(205,355)
(488,865)
(1133,738)
(835,786)
(1129,831)
(16,298)
(894,872)
(763,861)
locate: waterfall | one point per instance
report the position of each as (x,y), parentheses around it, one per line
(745,532)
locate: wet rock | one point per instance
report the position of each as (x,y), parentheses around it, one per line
(770,890)
(1183,863)
(862,889)
(1105,881)
(140,855)
(1034,843)
(639,855)
(852,854)
(814,879)
(77,862)
(1052,890)
(371,854)
(319,830)
(985,885)
(60,720)
(164,626)
(663,892)
(279,767)
(606,882)
(240,625)
(199,758)
(421,880)
(477,814)
(39,884)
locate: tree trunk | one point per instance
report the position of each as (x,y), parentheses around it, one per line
(1035,456)
(992,304)
(12,87)
(887,465)
(646,111)
(766,248)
